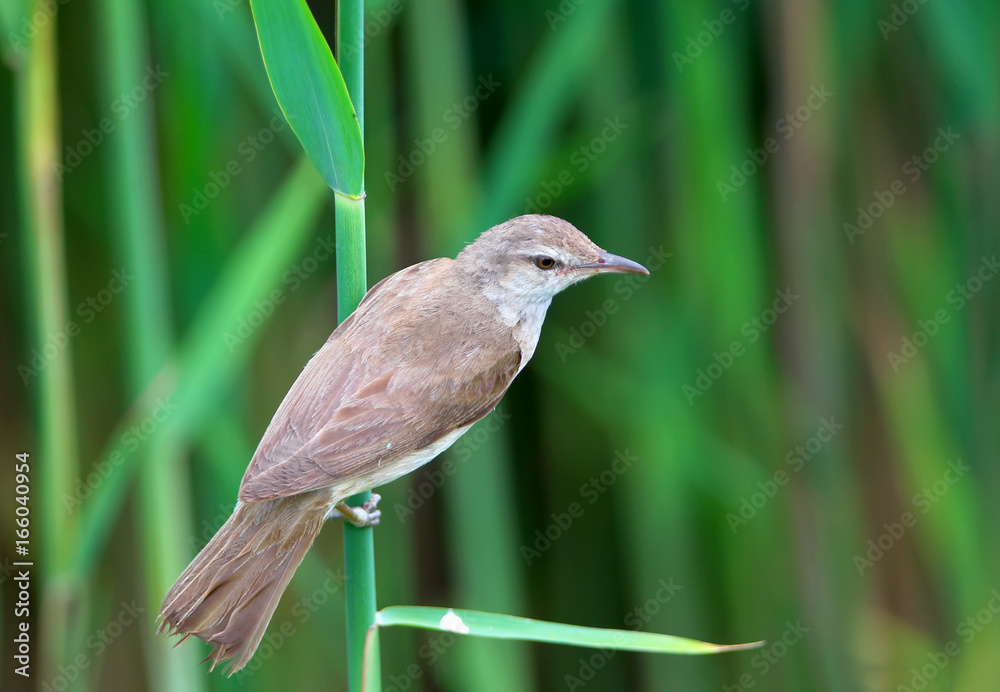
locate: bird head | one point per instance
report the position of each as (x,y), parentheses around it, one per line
(531,258)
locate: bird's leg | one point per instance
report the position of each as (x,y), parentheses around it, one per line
(363,516)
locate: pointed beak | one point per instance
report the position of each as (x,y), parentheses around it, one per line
(606,262)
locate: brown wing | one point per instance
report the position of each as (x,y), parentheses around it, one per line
(409,366)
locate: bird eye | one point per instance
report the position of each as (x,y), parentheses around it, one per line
(543,262)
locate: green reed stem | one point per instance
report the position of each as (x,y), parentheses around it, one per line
(137,226)
(54,465)
(359,545)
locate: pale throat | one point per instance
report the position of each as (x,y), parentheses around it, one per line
(523,312)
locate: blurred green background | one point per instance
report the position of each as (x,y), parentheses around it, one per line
(787,432)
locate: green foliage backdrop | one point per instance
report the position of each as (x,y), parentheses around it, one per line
(787,432)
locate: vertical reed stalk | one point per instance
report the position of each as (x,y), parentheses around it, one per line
(359,546)
(55,465)
(136,221)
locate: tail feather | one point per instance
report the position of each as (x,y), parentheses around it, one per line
(229,592)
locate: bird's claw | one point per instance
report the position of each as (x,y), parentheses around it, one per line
(364,516)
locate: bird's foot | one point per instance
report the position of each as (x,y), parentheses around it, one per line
(363,516)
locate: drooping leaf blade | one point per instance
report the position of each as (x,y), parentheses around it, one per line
(311,92)
(498,626)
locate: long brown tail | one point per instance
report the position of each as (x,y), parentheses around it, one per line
(228,593)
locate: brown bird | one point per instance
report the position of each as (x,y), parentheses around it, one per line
(429,351)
